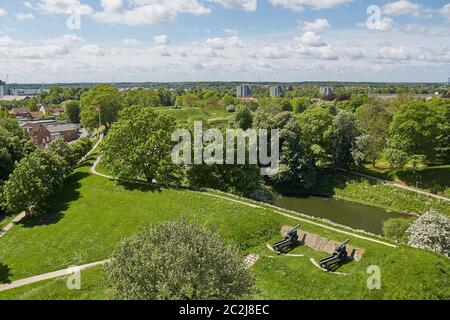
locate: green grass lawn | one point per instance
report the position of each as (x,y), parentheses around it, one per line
(92,215)
(432,179)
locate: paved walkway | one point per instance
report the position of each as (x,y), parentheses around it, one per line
(399,185)
(50,275)
(15,221)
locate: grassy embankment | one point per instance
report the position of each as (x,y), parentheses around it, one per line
(432,179)
(92,215)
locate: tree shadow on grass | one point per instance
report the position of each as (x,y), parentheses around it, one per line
(58,203)
(5,273)
(139,185)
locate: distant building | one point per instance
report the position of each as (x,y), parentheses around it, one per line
(69,132)
(326,91)
(277,91)
(243,91)
(3,89)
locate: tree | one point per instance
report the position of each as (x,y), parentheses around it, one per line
(345,134)
(139,145)
(72,111)
(100,106)
(414,131)
(243,118)
(317,132)
(61,148)
(228,100)
(441,107)
(300,105)
(143,98)
(177,260)
(373,120)
(431,231)
(81,148)
(296,169)
(35,178)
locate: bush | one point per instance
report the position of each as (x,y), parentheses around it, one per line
(177,260)
(395,229)
(231,108)
(431,231)
(81,148)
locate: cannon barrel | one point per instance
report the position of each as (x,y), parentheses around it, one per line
(293,229)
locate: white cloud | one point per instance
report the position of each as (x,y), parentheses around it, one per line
(3,12)
(310,39)
(298,5)
(396,54)
(384,24)
(154,14)
(6,41)
(446,11)
(131,42)
(233,32)
(24,16)
(246,5)
(66,40)
(162,51)
(61,7)
(161,39)
(402,7)
(320,25)
(223,43)
(92,50)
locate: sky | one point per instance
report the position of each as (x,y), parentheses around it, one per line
(224,40)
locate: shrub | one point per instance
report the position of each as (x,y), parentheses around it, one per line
(395,229)
(177,260)
(231,108)
(81,148)
(431,231)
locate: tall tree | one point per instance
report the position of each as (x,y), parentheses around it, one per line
(345,133)
(72,110)
(373,120)
(139,146)
(100,106)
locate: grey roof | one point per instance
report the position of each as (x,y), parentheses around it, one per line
(62,128)
(14,98)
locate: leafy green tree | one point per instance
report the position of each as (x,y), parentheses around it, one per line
(300,105)
(62,149)
(243,118)
(165,97)
(72,110)
(414,131)
(228,100)
(373,120)
(356,101)
(142,97)
(34,179)
(317,131)
(81,148)
(441,107)
(178,260)
(345,134)
(139,146)
(296,169)
(100,105)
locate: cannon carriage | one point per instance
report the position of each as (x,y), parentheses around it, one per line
(340,255)
(289,241)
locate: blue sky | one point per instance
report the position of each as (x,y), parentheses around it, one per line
(198,40)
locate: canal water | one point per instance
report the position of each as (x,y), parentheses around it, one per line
(351,214)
